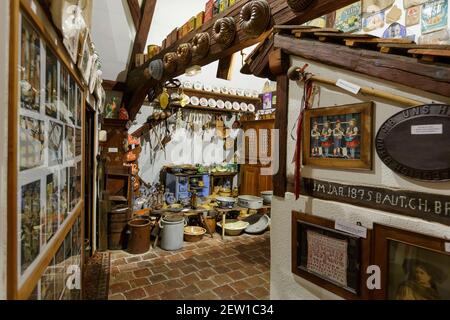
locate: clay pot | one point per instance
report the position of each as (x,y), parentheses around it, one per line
(299,5)
(170,62)
(255,17)
(200,45)
(224,31)
(184,53)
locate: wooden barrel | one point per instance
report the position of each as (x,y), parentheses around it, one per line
(117,227)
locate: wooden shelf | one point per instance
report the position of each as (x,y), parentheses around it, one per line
(224,174)
(225,97)
(205,109)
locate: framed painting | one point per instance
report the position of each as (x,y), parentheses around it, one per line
(339,137)
(329,258)
(413,266)
(86,56)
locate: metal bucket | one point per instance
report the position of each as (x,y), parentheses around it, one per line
(172,228)
(139,241)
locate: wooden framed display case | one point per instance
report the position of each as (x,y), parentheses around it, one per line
(332,259)
(45,161)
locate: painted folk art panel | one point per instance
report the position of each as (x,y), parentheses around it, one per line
(339,137)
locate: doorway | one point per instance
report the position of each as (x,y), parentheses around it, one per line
(89,179)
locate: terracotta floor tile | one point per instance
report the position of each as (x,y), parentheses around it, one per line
(225,291)
(135,294)
(237,268)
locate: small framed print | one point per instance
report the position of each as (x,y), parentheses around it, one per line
(72,45)
(86,56)
(332,259)
(339,137)
(413,266)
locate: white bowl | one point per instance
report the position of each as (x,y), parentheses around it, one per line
(195,101)
(198,86)
(204,102)
(251,202)
(212,103)
(234,227)
(220,104)
(228,105)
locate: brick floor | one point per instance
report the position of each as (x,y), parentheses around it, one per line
(237,268)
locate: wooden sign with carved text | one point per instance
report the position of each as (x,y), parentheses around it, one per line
(426,206)
(416,142)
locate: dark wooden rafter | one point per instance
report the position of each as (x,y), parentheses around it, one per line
(110,85)
(225,67)
(147,12)
(406,71)
(139,85)
(135,11)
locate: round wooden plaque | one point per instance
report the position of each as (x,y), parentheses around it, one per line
(416,142)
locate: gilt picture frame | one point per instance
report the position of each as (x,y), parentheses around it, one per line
(339,137)
(413,266)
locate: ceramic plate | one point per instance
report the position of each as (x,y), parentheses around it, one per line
(195,101)
(224,90)
(255,94)
(187,85)
(220,104)
(204,102)
(207,88)
(198,86)
(232,91)
(251,108)
(248,93)
(228,105)
(240,92)
(236,106)
(212,103)
(244,107)
(216,89)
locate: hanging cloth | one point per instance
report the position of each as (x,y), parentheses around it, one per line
(305,105)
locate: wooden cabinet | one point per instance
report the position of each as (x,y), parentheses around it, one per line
(258,153)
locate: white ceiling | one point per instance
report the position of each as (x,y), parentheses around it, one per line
(113,33)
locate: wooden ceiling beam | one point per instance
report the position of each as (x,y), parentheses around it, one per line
(139,85)
(147,12)
(397,69)
(135,11)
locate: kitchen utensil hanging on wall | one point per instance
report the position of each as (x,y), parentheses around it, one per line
(200,45)
(184,54)
(170,63)
(224,31)
(255,17)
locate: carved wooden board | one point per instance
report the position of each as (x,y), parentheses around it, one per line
(430,207)
(416,143)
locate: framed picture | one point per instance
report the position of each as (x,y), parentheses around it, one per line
(51,83)
(32,142)
(86,56)
(55,143)
(348,19)
(30,223)
(332,259)
(72,45)
(339,137)
(30,68)
(434,16)
(413,266)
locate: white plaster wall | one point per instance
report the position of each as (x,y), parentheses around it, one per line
(285,285)
(4,72)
